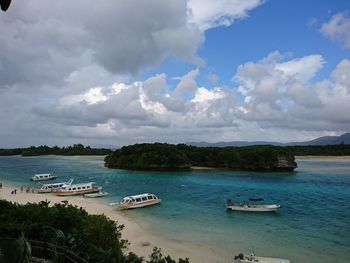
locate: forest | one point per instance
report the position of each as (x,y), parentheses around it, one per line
(64,233)
(162,156)
(76,149)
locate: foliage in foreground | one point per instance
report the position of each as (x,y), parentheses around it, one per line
(94,238)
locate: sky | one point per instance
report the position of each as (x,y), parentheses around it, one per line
(111,72)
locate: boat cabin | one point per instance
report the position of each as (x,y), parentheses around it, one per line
(55,186)
(138,198)
(38,177)
(78,187)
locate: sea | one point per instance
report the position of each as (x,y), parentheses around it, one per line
(312,226)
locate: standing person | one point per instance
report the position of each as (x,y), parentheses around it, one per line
(0,185)
(33,190)
(21,189)
(15,191)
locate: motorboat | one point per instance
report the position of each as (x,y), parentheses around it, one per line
(241,258)
(252,207)
(49,188)
(78,189)
(43,177)
(94,195)
(137,201)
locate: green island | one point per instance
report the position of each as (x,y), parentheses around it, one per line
(162,156)
(38,232)
(76,149)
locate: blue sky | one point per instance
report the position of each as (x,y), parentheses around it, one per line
(121,72)
(289,26)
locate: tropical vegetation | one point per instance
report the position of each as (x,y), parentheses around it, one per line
(76,149)
(162,156)
(64,233)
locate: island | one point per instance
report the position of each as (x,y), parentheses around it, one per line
(182,157)
(76,149)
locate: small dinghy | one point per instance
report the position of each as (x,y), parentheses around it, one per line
(241,258)
(252,207)
(95,195)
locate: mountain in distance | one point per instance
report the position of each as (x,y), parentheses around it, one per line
(325,140)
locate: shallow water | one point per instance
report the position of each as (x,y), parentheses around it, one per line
(312,226)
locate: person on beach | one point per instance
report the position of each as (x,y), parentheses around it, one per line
(32,190)
(15,191)
(12,192)
(0,185)
(21,189)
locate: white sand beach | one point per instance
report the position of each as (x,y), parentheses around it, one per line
(312,157)
(141,241)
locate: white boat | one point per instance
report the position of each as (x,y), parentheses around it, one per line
(49,188)
(252,258)
(43,177)
(252,207)
(78,189)
(137,201)
(94,195)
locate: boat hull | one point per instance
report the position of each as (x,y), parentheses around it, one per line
(43,179)
(95,195)
(249,259)
(254,208)
(78,192)
(138,205)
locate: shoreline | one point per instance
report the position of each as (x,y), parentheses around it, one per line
(141,241)
(325,157)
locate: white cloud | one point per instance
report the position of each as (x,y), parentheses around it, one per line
(269,99)
(280,94)
(302,69)
(338,29)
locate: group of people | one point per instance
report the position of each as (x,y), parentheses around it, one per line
(28,190)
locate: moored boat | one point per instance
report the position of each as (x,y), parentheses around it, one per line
(94,195)
(49,188)
(137,201)
(78,189)
(252,207)
(43,177)
(241,258)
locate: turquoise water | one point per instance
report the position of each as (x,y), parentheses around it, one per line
(312,226)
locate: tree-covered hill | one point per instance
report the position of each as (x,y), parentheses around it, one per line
(161,156)
(76,149)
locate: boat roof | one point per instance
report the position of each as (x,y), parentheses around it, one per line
(69,182)
(42,174)
(138,196)
(80,184)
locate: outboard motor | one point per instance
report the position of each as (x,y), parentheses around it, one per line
(229,202)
